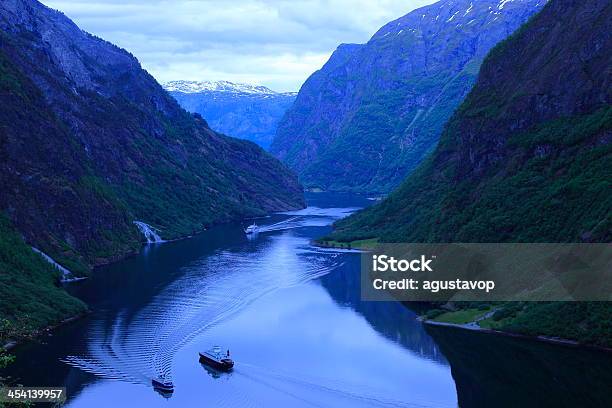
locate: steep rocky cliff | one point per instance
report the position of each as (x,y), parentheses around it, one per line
(372,113)
(90,143)
(244,111)
(527,156)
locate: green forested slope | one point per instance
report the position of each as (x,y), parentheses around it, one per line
(30,296)
(90,142)
(526,158)
(374,111)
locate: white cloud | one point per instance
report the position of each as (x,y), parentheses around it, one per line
(274,43)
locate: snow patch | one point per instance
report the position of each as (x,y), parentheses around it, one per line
(217,86)
(452,17)
(469,9)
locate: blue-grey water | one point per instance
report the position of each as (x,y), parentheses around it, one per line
(291,316)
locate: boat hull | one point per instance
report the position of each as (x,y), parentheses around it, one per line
(222,365)
(164,389)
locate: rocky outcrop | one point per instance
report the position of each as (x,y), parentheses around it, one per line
(374,111)
(90,142)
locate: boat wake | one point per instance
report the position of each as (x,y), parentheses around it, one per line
(291,223)
(307,389)
(136,346)
(308,217)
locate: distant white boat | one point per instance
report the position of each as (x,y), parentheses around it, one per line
(251,229)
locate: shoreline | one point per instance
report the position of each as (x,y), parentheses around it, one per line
(347,248)
(365,246)
(13,343)
(354,246)
(471,326)
(544,339)
(318,244)
(121,257)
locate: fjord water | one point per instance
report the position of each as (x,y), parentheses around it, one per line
(291,316)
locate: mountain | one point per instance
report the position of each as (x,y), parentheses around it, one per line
(526,158)
(527,155)
(194,87)
(374,111)
(90,143)
(241,110)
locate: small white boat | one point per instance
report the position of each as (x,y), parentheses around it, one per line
(251,229)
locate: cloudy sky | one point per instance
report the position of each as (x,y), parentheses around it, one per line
(273,43)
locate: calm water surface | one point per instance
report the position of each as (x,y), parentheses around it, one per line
(291,316)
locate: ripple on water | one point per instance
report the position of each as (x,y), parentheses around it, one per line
(211,290)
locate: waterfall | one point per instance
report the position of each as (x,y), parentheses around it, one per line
(149,232)
(67,276)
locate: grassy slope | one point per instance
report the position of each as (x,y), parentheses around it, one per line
(30,296)
(557,198)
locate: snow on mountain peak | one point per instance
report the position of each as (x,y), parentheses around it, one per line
(460,13)
(217,86)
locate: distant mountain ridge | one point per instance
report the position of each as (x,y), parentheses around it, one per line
(245,111)
(369,116)
(220,86)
